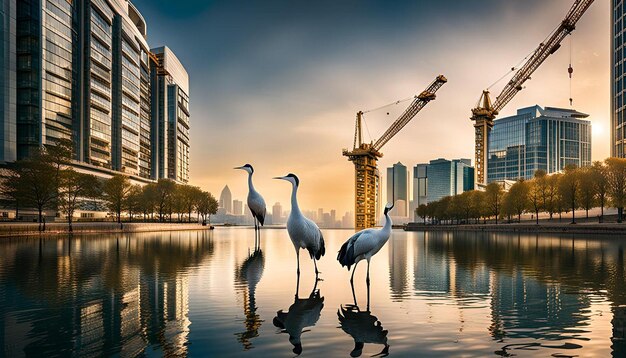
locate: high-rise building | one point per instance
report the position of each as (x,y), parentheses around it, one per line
(237,207)
(448,178)
(171,116)
(226,200)
(618,85)
(538,138)
(398,189)
(7,81)
(81,71)
(277,213)
(420,187)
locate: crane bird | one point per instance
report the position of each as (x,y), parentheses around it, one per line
(303,232)
(255,203)
(365,244)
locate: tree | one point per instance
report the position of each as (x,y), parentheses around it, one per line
(178,200)
(569,188)
(587,193)
(601,184)
(517,198)
(164,191)
(72,187)
(190,199)
(616,177)
(148,200)
(422,211)
(59,155)
(116,191)
(535,198)
(36,178)
(493,199)
(553,202)
(132,202)
(207,206)
(11,192)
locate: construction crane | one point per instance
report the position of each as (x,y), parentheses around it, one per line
(365,155)
(486,111)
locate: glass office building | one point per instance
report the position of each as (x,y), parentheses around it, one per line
(82,71)
(398,189)
(538,138)
(618,90)
(420,187)
(448,177)
(170,116)
(7,81)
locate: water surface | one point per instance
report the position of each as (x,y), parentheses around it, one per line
(211,294)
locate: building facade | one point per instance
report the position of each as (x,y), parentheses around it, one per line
(398,189)
(448,178)
(538,138)
(171,116)
(81,71)
(226,200)
(618,90)
(8,98)
(420,187)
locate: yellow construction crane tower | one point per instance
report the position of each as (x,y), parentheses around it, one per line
(365,155)
(486,111)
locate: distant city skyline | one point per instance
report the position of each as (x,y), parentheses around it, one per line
(286,102)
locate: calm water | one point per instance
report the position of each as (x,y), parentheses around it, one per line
(209,294)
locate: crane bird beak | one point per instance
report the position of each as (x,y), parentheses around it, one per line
(238,168)
(283,178)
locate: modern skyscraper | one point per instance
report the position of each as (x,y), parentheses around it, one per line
(171,116)
(226,200)
(81,71)
(618,85)
(448,178)
(277,213)
(398,189)
(237,207)
(420,187)
(7,81)
(538,138)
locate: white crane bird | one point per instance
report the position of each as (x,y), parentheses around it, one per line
(365,244)
(255,203)
(303,232)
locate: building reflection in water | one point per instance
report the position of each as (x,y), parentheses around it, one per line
(304,312)
(398,280)
(247,276)
(538,288)
(97,297)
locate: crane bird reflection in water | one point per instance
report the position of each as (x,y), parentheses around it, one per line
(256,204)
(303,232)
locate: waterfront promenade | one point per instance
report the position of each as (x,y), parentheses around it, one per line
(29,229)
(525,227)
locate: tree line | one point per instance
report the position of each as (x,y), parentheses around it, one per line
(45,181)
(601,185)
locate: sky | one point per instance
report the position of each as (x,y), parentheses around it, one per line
(277,84)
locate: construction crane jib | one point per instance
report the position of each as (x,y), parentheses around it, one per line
(486,111)
(365,156)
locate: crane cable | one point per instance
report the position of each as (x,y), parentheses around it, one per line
(522,61)
(382,107)
(570,70)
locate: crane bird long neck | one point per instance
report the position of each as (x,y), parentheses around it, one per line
(250,186)
(294,200)
(388,222)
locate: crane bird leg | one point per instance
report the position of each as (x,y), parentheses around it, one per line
(353,294)
(353,271)
(367,280)
(298,260)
